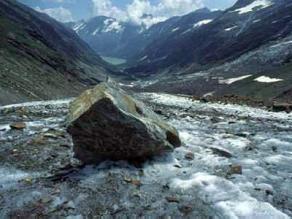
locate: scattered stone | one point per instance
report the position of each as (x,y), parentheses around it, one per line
(177,165)
(221,152)
(172,199)
(242,134)
(274,148)
(133,181)
(185,209)
(18,125)
(215,120)
(106,123)
(50,135)
(190,156)
(204,100)
(280,107)
(235,169)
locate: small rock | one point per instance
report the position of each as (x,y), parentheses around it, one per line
(172,199)
(215,120)
(50,135)
(133,181)
(186,209)
(235,169)
(190,156)
(18,125)
(221,152)
(177,165)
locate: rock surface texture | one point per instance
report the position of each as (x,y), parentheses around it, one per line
(106,123)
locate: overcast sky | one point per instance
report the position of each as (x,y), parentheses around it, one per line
(125,10)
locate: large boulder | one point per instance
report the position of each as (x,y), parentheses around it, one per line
(106,123)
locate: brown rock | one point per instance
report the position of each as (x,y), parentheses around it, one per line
(235,169)
(190,156)
(18,125)
(172,199)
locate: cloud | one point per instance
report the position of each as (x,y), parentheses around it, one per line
(106,8)
(61,14)
(144,12)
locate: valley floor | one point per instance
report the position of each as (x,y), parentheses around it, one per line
(235,162)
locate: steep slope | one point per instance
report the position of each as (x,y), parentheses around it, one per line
(246,26)
(40,58)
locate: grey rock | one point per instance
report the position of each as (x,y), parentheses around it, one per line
(106,123)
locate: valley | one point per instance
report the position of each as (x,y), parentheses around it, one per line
(160,111)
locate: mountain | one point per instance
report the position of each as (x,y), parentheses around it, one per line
(237,31)
(248,41)
(107,36)
(113,38)
(40,58)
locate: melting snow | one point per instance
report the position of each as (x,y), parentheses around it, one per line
(79,27)
(263,169)
(232,80)
(282,44)
(175,29)
(202,22)
(38,103)
(266,79)
(9,177)
(230,28)
(255,4)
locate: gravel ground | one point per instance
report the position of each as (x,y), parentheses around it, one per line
(235,162)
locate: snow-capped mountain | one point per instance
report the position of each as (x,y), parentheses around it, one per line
(107,36)
(248,42)
(244,27)
(110,37)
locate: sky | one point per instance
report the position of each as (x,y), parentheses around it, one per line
(123,10)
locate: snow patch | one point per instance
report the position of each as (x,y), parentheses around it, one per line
(230,28)
(79,27)
(175,29)
(38,103)
(255,4)
(232,80)
(226,198)
(266,79)
(282,44)
(202,22)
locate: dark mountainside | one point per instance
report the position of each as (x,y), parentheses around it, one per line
(41,58)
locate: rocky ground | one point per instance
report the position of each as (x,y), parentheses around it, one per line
(235,162)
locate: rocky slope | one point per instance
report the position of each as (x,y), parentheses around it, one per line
(41,58)
(235,162)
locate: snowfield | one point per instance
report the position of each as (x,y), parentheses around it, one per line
(266,79)
(235,163)
(254,5)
